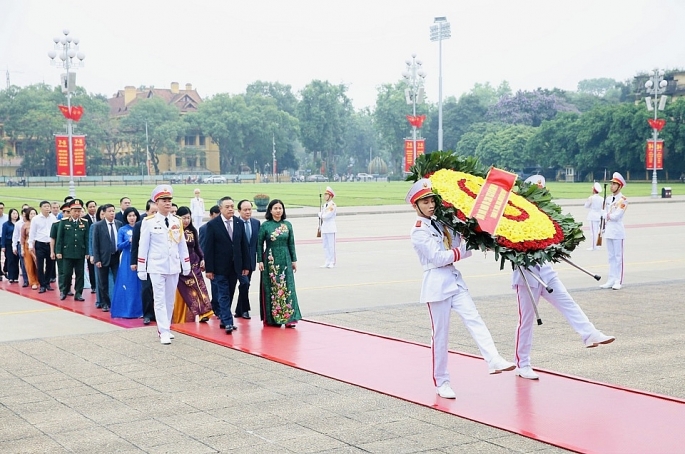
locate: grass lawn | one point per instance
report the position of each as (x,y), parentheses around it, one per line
(293,194)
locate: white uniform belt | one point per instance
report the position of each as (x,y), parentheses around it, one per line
(430,266)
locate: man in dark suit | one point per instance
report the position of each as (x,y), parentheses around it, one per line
(89,219)
(124,203)
(227,258)
(242,309)
(147,296)
(105,254)
(202,232)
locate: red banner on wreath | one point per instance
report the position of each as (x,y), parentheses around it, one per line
(649,155)
(409,151)
(492,199)
(78,147)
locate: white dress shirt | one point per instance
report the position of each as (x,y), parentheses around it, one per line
(40,229)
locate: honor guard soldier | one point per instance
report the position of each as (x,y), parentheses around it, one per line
(444,289)
(163,254)
(614,231)
(328,228)
(71,246)
(594,204)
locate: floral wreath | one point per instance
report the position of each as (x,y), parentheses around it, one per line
(532,230)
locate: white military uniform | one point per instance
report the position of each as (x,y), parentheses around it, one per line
(163,254)
(614,235)
(559,298)
(444,289)
(594,204)
(197,210)
(328,230)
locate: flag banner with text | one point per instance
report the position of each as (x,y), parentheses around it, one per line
(78,146)
(492,199)
(649,155)
(409,151)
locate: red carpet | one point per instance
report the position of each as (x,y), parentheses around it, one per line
(564,411)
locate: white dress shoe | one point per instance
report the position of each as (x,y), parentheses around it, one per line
(616,286)
(608,284)
(598,338)
(171,336)
(324,265)
(445,391)
(164,339)
(499,365)
(330,265)
(590,249)
(527,372)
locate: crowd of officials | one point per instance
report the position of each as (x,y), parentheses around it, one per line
(152,265)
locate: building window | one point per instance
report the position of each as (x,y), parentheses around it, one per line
(190,141)
(191,162)
(203,162)
(179,161)
(202,141)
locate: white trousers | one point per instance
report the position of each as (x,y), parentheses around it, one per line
(562,301)
(329,247)
(594,231)
(440,312)
(615,250)
(197,221)
(164,291)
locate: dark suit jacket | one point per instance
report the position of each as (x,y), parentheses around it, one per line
(102,245)
(119,216)
(134,242)
(223,255)
(252,244)
(202,233)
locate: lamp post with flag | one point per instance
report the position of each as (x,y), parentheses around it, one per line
(414,94)
(655,86)
(66,55)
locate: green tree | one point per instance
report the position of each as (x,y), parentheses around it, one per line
(507,147)
(164,128)
(390,118)
(324,112)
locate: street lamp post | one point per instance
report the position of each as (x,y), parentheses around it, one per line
(67,50)
(414,93)
(273,155)
(439,32)
(655,86)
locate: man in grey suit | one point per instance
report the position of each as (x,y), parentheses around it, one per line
(105,254)
(242,309)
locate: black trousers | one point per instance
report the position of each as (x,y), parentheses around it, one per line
(44,264)
(243,304)
(91,277)
(148,299)
(11,264)
(103,285)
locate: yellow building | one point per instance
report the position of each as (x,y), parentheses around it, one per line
(199,153)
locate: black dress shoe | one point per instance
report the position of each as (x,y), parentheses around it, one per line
(42,290)
(237,315)
(146,320)
(70,294)
(235,328)
(229,330)
(105,308)
(222,326)
(98,306)
(52,281)
(93,291)
(25,284)
(79,298)
(204,319)
(246,315)
(62,296)
(49,289)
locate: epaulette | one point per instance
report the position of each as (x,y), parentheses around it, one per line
(179,217)
(149,217)
(418,224)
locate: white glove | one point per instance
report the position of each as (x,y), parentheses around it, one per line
(186,272)
(142,275)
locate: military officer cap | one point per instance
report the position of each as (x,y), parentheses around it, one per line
(163,191)
(330,191)
(596,188)
(65,206)
(618,178)
(419,190)
(536,179)
(76,203)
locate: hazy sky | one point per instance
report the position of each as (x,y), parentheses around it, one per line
(223,45)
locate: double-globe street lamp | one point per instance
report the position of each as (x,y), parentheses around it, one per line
(655,86)
(66,55)
(414,93)
(441,30)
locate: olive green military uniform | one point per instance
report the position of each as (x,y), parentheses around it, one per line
(71,242)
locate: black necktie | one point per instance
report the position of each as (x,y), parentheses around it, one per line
(112,237)
(166,221)
(435,225)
